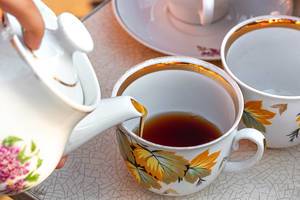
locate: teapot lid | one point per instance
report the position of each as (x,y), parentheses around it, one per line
(55,61)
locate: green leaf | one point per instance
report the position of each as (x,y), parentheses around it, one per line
(125,147)
(31,177)
(10,141)
(165,166)
(22,157)
(33,146)
(21,153)
(142,177)
(30,174)
(251,122)
(201,166)
(39,163)
(195,173)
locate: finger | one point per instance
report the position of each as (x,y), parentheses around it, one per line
(30,19)
(1,15)
(62,162)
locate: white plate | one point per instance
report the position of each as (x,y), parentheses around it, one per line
(149,22)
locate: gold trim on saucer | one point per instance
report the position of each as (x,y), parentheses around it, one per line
(260,24)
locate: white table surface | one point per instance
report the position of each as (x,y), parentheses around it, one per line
(96,170)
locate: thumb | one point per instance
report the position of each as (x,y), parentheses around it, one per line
(30,19)
(62,162)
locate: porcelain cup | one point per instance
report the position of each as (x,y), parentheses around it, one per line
(189,85)
(262,55)
(200,12)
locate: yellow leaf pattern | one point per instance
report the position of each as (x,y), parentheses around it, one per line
(142,177)
(298,119)
(201,166)
(151,167)
(282,107)
(163,165)
(254,116)
(260,114)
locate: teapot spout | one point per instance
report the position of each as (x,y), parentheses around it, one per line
(108,113)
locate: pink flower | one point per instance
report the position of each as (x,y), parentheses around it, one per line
(205,51)
(10,166)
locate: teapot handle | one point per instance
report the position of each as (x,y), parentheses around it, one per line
(108,113)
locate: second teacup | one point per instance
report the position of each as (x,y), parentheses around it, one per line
(262,55)
(189,85)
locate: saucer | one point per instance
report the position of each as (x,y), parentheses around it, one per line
(150,23)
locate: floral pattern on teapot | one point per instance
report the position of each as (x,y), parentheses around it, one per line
(19,163)
(152,167)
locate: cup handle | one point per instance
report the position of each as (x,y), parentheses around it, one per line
(249,134)
(206,13)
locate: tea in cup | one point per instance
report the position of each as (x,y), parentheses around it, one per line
(190,93)
(199,12)
(262,55)
(197,130)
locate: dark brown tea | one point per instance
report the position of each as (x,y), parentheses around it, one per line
(179,129)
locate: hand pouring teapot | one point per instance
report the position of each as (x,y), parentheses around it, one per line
(44,95)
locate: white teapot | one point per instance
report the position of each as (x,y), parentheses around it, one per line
(44,95)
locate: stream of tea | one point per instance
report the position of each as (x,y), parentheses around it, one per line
(143,110)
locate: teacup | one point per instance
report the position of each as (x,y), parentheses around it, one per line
(186,85)
(262,55)
(200,12)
